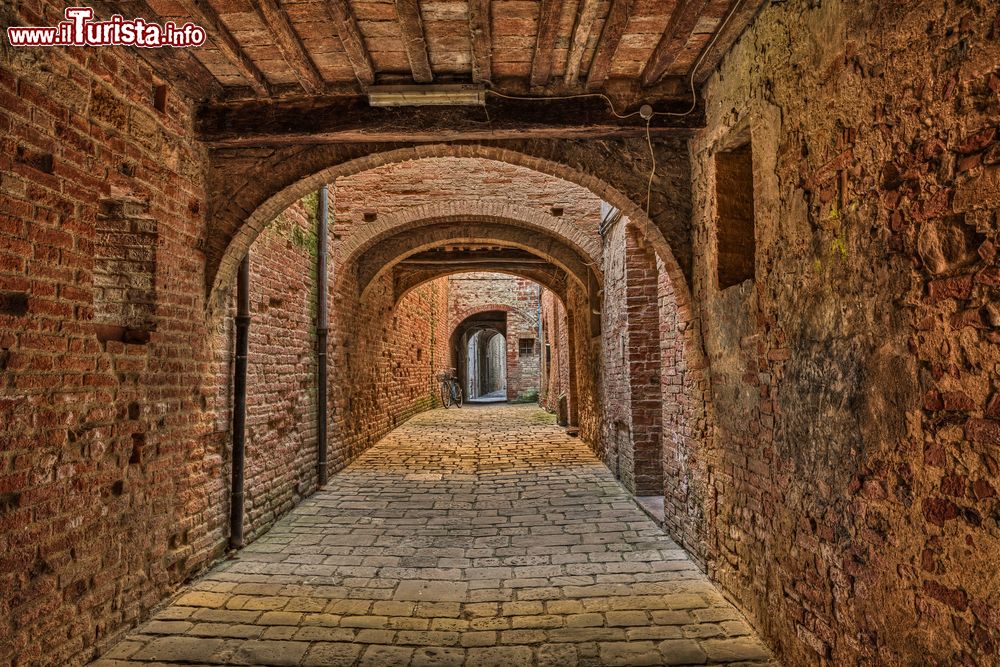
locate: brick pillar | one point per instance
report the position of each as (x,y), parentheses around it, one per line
(643,362)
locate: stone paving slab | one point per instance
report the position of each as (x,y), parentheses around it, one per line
(483,536)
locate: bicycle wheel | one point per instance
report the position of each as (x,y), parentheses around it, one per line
(445,394)
(458,395)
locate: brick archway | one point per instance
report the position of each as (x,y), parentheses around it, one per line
(379,258)
(455,320)
(469,211)
(242,208)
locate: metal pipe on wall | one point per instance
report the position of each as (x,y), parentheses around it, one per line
(240,402)
(322,329)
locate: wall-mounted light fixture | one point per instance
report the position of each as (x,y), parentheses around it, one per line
(441,94)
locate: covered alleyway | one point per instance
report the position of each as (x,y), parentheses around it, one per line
(480,536)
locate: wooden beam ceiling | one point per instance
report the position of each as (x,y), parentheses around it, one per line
(548,24)
(202,13)
(493,33)
(342,119)
(350,37)
(741,18)
(480,40)
(412,27)
(675,38)
(178,67)
(581,34)
(279,26)
(611,36)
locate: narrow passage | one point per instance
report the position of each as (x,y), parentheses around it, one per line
(478,536)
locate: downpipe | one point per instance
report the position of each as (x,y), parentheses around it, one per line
(240,403)
(322,331)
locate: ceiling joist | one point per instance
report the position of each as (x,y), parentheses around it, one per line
(481,41)
(611,36)
(276,20)
(203,14)
(346,26)
(545,43)
(412,28)
(675,38)
(581,35)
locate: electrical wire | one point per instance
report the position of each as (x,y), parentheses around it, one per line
(611,104)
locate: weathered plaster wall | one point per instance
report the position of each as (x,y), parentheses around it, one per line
(852,481)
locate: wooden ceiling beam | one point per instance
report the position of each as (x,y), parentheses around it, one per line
(412,28)
(178,67)
(276,20)
(350,37)
(545,43)
(581,35)
(738,22)
(611,37)
(351,119)
(480,40)
(202,13)
(675,37)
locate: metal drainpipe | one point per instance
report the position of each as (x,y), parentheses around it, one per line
(240,402)
(322,322)
(541,348)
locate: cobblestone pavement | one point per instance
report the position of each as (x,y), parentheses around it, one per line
(481,536)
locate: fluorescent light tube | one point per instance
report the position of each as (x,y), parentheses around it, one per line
(414,96)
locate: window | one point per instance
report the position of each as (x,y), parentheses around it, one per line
(735,229)
(526,346)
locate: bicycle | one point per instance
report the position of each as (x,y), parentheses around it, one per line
(451,392)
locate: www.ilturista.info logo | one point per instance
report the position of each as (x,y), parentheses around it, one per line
(79,29)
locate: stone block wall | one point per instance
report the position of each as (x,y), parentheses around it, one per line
(854,380)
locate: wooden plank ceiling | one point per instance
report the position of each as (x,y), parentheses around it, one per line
(274,51)
(273,48)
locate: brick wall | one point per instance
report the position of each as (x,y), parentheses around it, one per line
(471,293)
(394,187)
(384,359)
(281,447)
(616,437)
(556,376)
(631,338)
(685,395)
(644,368)
(854,383)
(112,487)
(584,355)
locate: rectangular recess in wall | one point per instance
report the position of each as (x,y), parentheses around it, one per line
(526,347)
(125,270)
(734,192)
